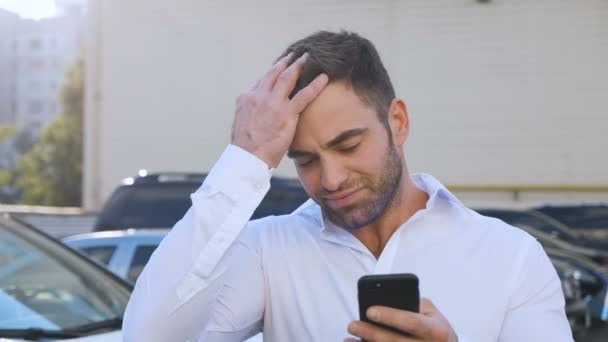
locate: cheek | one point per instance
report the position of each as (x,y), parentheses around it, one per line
(309,179)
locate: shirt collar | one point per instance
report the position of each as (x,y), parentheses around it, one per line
(329,231)
(435,190)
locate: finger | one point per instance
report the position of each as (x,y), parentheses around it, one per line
(256,85)
(309,93)
(407,321)
(270,78)
(427,307)
(287,79)
(371,332)
(349,339)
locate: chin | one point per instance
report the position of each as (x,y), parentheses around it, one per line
(354,220)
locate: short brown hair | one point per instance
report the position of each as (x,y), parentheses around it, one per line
(346,57)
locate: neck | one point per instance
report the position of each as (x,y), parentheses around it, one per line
(407,201)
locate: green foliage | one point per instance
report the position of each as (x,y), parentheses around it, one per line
(6,131)
(51,172)
(24,140)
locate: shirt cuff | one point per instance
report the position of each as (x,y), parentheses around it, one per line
(235,169)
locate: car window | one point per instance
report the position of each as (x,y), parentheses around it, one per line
(140,258)
(101,254)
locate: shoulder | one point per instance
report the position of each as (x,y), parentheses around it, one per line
(491,241)
(304,223)
(497,231)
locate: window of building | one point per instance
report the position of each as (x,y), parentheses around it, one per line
(35,107)
(34,84)
(36,64)
(35,44)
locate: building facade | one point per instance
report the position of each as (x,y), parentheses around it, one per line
(8,25)
(506,98)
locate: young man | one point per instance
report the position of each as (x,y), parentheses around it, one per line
(330,106)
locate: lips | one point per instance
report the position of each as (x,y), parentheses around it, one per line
(342,199)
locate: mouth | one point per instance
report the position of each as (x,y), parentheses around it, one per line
(342,199)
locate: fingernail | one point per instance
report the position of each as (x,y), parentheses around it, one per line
(353,327)
(304,56)
(372,313)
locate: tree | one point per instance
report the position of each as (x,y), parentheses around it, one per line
(51,172)
(6,131)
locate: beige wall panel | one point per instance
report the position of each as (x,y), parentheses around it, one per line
(510,92)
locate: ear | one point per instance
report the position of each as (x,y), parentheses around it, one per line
(398,121)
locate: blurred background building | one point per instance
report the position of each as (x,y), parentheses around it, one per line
(34,55)
(506,97)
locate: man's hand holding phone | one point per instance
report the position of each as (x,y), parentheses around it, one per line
(428,325)
(390,309)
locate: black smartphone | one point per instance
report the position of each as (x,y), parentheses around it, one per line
(398,291)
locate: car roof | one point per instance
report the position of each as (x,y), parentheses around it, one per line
(125,233)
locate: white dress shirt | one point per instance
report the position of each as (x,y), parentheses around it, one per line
(218,277)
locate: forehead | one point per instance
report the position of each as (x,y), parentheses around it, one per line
(336,109)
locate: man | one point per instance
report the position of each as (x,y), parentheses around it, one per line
(328,104)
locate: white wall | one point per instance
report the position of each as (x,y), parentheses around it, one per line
(506,93)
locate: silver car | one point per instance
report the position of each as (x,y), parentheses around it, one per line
(124,252)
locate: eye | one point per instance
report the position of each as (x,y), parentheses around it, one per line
(351,148)
(305,163)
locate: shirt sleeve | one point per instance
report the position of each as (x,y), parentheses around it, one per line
(536,309)
(187,289)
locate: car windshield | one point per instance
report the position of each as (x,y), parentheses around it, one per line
(161,205)
(146,206)
(44,285)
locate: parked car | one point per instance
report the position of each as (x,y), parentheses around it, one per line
(159,200)
(49,292)
(592,248)
(582,277)
(589,219)
(123,252)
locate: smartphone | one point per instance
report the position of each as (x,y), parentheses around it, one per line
(398,291)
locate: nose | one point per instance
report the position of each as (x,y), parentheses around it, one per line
(333,174)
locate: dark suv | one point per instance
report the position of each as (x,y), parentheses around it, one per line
(159,200)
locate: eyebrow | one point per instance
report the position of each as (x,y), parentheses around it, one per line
(332,143)
(345,136)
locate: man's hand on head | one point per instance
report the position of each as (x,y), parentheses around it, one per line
(265,119)
(428,325)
